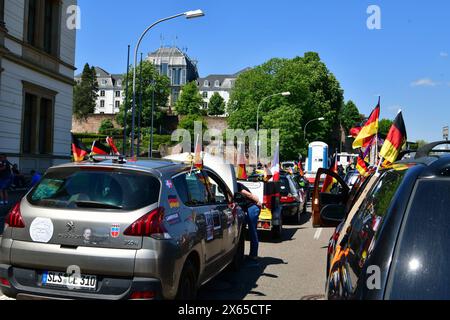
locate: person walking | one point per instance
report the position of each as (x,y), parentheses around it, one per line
(5,179)
(252,207)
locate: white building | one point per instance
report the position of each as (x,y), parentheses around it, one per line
(111,93)
(222,84)
(37,55)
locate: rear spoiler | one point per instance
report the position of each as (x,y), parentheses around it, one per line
(429,148)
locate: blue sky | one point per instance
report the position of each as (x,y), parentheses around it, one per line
(406,62)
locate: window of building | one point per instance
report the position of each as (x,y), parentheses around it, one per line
(42,24)
(105,82)
(205,105)
(206,83)
(176,76)
(217,84)
(102,93)
(164,70)
(2,12)
(117,94)
(175,96)
(102,103)
(205,95)
(117,104)
(38,116)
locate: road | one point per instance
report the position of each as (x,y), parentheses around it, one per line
(290,270)
(293,269)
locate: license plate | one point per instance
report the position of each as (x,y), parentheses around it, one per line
(61,279)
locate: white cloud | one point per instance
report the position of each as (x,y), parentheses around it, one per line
(424,82)
(444,54)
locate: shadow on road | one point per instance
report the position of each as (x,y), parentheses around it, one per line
(238,285)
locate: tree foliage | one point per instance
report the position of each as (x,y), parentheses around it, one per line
(85,93)
(151,81)
(315,93)
(190,101)
(385,126)
(216,105)
(350,116)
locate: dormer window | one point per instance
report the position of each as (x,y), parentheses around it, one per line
(217,84)
(206,83)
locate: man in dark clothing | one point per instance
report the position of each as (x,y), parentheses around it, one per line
(5,179)
(252,208)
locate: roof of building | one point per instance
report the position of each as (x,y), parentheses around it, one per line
(222,78)
(102,73)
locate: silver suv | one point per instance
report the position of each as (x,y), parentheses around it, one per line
(116,230)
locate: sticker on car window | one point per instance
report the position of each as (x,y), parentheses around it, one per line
(173,218)
(173,202)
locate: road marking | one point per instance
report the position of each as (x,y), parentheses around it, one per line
(318,234)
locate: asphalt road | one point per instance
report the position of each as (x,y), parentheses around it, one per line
(293,269)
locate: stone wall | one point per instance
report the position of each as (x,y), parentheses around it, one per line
(92,123)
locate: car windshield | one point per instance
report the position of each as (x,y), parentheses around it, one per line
(95,188)
(285,187)
(420,265)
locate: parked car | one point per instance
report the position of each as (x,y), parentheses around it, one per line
(292,198)
(116,230)
(392,243)
(351,177)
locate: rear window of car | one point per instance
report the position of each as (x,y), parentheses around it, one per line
(95,188)
(285,187)
(422,258)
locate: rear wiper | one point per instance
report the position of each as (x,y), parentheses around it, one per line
(96,205)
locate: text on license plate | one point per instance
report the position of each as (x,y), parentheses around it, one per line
(73,281)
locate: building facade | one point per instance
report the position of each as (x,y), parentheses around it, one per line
(175,64)
(111,92)
(222,84)
(37,56)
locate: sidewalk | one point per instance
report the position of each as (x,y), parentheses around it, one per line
(14,197)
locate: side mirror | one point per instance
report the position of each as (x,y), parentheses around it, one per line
(333,213)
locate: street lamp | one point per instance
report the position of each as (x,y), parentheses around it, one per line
(306,126)
(283,94)
(189,15)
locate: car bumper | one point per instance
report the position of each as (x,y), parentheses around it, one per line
(290,209)
(25,284)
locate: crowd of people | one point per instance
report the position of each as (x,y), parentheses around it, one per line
(12,178)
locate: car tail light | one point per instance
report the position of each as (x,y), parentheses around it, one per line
(267,201)
(4,282)
(142,295)
(288,199)
(150,225)
(14,218)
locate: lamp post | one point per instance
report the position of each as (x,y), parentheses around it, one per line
(189,15)
(284,94)
(306,126)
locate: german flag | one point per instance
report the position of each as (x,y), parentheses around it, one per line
(330,181)
(110,142)
(79,150)
(100,149)
(242,170)
(362,168)
(395,140)
(369,130)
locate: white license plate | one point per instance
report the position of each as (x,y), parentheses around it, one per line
(61,279)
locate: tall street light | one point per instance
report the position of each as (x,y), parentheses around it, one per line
(283,94)
(318,119)
(189,15)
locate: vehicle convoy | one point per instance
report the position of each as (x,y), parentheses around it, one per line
(116,230)
(394,226)
(292,198)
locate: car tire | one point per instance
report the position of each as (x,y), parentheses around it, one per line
(239,256)
(298,216)
(277,231)
(187,287)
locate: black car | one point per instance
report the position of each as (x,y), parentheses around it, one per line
(396,245)
(292,198)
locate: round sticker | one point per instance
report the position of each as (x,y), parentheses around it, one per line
(41,230)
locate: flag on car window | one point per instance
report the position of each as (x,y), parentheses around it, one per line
(276,165)
(113,147)
(369,130)
(100,149)
(79,150)
(329,180)
(395,140)
(361,166)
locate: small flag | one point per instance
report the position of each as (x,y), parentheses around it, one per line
(369,129)
(362,168)
(276,165)
(395,140)
(173,202)
(198,161)
(330,181)
(79,150)
(113,147)
(100,149)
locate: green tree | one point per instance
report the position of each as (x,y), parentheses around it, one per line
(151,81)
(190,101)
(106,127)
(385,126)
(216,105)
(315,93)
(421,143)
(188,123)
(350,116)
(85,93)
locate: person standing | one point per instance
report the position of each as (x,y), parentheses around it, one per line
(252,208)
(35,178)
(5,179)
